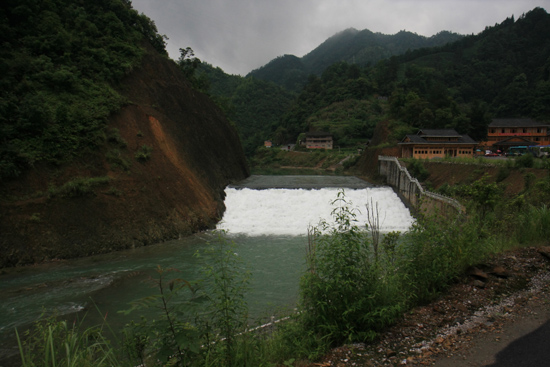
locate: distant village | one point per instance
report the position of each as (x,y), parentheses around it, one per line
(505,137)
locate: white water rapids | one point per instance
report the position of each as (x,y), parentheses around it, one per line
(292,211)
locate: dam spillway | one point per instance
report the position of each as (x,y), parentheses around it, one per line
(288,205)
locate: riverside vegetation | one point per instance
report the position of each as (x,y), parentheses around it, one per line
(357,283)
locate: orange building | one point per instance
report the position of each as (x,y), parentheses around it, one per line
(505,133)
(437,143)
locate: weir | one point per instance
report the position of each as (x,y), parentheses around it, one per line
(288,205)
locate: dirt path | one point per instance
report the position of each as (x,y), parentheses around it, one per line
(517,342)
(503,299)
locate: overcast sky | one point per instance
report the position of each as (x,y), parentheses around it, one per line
(242,35)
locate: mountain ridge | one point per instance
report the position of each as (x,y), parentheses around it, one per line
(362,47)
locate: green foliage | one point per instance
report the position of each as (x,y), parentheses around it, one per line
(349,121)
(201,323)
(417,169)
(440,249)
(113,137)
(525,161)
(342,297)
(481,194)
(533,225)
(58,61)
(117,159)
(79,187)
(188,63)
(144,153)
(54,343)
(227,310)
(503,173)
(172,336)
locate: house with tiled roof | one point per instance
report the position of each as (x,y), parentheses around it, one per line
(505,133)
(319,140)
(437,143)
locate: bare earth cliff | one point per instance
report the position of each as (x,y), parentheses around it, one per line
(176,188)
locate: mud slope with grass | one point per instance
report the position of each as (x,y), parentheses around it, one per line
(169,154)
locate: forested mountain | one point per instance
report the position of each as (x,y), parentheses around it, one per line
(255,106)
(500,72)
(352,46)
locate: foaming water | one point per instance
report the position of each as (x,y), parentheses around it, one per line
(291,211)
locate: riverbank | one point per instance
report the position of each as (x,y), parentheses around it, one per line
(484,309)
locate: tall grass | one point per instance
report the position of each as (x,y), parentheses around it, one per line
(55,343)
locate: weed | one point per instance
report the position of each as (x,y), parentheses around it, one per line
(144,153)
(116,159)
(56,343)
(114,192)
(417,169)
(35,217)
(341,295)
(113,137)
(503,173)
(78,187)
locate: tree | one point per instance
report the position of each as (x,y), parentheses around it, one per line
(187,59)
(479,120)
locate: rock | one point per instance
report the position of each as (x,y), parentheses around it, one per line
(500,272)
(461,307)
(477,273)
(478,284)
(545,251)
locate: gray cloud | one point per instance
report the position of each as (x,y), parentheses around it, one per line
(241,35)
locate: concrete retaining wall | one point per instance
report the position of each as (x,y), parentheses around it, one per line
(410,190)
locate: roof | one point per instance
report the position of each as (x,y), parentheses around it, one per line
(514,140)
(443,133)
(317,134)
(516,122)
(438,133)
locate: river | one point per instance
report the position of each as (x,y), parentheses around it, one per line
(267,217)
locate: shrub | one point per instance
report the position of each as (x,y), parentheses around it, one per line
(116,159)
(503,173)
(417,169)
(113,137)
(525,161)
(343,297)
(79,187)
(144,153)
